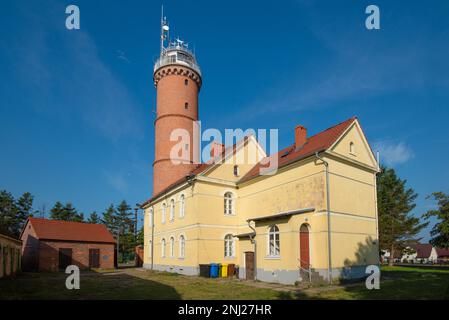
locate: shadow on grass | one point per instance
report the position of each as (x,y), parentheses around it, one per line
(93,286)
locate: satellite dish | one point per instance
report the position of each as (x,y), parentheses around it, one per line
(165,27)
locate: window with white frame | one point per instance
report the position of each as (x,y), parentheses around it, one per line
(182,246)
(182,206)
(164,211)
(274,248)
(229,246)
(172,209)
(163,248)
(150,217)
(172,247)
(228,203)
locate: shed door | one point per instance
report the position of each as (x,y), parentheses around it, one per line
(304,253)
(249,265)
(65,258)
(94,258)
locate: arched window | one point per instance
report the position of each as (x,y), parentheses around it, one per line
(182,246)
(274,248)
(229,246)
(164,212)
(163,248)
(150,218)
(182,206)
(228,204)
(351,148)
(172,209)
(172,247)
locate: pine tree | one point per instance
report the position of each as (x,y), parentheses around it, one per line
(109,219)
(440,232)
(125,227)
(397,228)
(57,212)
(94,218)
(8,212)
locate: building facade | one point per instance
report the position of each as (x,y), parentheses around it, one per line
(10,256)
(52,245)
(313,218)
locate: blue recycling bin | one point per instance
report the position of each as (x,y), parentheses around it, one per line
(214,270)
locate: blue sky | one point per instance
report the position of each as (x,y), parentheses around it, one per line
(76,107)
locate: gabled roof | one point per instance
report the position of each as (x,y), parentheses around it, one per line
(70,231)
(442,252)
(422,250)
(317,143)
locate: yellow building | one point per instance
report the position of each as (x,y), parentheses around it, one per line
(317,212)
(10,255)
(314,217)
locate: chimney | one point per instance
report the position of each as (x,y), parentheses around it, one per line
(216,149)
(300,136)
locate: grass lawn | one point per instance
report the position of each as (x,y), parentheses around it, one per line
(397,283)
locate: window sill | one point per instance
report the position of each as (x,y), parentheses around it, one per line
(272,257)
(230,258)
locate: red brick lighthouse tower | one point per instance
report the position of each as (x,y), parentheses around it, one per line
(177,78)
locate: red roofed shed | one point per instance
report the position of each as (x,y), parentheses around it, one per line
(52,245)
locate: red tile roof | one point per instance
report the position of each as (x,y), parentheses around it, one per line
(70,231)
(442,252)
(422,250)
(316,143)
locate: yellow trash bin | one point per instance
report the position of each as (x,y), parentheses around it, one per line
(224,270)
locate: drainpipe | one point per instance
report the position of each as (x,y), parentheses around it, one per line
(329,242)
(253,241)
(152,238)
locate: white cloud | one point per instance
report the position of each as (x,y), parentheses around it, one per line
(393,153)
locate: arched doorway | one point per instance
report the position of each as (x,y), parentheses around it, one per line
(304,246)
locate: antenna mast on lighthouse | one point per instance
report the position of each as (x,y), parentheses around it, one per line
(164,30)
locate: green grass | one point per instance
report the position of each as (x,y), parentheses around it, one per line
(397,283)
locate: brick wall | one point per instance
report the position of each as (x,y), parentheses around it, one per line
(49,254)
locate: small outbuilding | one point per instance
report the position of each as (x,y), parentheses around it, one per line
(52,245)
(10,257)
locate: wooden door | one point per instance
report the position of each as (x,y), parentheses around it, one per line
(304,247)
(65,258)
(249,265)
(94,258)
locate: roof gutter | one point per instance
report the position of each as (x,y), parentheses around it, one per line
(329,241)
(253,241)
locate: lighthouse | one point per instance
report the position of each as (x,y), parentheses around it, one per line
(177,78)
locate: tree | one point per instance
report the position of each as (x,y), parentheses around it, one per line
(14,214)
(94,218)
(65,213)
(440,232)
(109,219)
(125,227)
(397,228)
(57,212)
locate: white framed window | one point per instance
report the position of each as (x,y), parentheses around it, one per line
(229,246)
(228,203)
(182,206)
(164,212)
(172,247)
(150,218)
(163,248)
(274,245)
(172,209)
(351,148)
(182,246)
